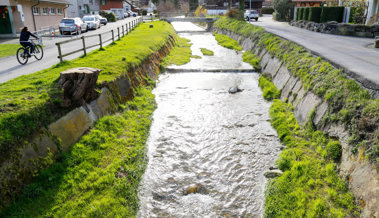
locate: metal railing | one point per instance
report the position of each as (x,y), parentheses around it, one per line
(116,34)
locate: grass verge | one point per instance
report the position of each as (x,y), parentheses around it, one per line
(180,54)
(227,42)
(207,52)
(101,173)
(33,101)
(8,50)
(348,103)
(309,186)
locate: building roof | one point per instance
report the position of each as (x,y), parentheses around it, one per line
(53,1)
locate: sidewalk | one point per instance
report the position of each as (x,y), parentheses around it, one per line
(357,56)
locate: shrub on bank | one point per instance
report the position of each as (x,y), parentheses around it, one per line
(110,16)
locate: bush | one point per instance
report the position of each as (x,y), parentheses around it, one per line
(299,15)
(331,14)
(283,9)
(306,13)
(110,16)
(334,150)
(357,15)
(267,10)
(234,13)
(314,14)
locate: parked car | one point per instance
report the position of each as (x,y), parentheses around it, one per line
(71,25)
(131,13)
(92,21)
(103,20)
(251,14)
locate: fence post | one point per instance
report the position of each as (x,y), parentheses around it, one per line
(129,25)
(101,42)
(118,32)
(112,35)
(84,46)
(123,34)
(59,52)
(126,28)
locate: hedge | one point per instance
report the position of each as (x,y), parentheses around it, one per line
(314,14)
(305,13)
(331,14)
(267,10)
(300,13)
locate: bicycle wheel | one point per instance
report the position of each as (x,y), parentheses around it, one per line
(22,56)
(38,52)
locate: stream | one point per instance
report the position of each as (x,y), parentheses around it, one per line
(208,148)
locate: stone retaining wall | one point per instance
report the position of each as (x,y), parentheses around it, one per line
(59,136)
(333,27)
(361,175)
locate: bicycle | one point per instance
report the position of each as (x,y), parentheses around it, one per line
(23,53)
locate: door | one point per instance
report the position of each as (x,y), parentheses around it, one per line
(5,22)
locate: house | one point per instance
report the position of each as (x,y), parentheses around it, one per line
(79,8)
(307,3)
(217,7)
(115,6)
(35,14)
(373,11)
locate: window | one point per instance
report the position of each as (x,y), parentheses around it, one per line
(103,2)
(35,11)
(52,10)
(44,11)
(59,11)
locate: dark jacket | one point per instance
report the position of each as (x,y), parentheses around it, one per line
(25,35)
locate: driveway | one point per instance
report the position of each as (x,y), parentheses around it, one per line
(10,68)
(355,55)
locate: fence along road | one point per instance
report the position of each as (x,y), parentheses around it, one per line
(10,68)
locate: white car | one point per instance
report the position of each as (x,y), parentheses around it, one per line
(131,13)
(251,14)
(92,21)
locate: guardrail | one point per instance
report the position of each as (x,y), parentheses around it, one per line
(116,35)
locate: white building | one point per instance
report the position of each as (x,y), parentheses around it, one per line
(79,8)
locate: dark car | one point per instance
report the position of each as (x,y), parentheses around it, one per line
(103,20)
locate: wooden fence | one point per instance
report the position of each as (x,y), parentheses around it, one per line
(116,34)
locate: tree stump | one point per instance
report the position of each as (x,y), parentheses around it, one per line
(79,85)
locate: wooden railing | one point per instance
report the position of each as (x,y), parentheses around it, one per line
(116,34)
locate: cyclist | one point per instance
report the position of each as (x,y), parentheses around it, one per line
(24,39)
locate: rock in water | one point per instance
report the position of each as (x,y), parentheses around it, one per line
(273,173)
(195,188)
(234,90)
(79,85)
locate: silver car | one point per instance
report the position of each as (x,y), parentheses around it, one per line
(92,21)
(72,25)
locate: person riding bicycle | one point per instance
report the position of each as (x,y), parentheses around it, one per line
(24,39)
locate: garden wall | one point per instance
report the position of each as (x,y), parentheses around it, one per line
(360,173)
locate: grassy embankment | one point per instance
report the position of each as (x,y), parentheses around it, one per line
(31,102)
(227,42)
(179,55)
(101,173)
(349,104)
(207,52)
(8,50)
(309,186)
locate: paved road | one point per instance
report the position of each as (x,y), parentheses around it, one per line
(10,68)
(355,55)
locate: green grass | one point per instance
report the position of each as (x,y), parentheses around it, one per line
(99,176)
(227,42)
(33,101)
(252,59)
(309,186)
(207,52)
(196,56)
(269,89)
(348,102)
(8,50)
(180,54)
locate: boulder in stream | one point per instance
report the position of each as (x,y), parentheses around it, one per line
(273,173)
(195,188)
(234,90)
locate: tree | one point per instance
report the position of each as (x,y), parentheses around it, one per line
(283,9)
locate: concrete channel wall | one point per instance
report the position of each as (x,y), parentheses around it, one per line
(46,144)
(361,175)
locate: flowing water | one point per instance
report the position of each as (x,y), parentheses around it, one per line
(208,148)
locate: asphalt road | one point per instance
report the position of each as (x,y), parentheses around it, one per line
(10,68)
(356,55)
